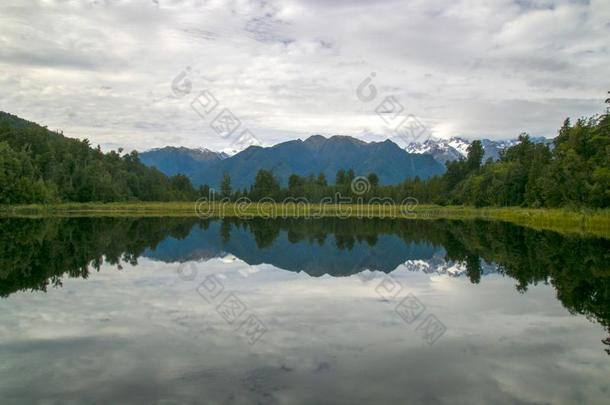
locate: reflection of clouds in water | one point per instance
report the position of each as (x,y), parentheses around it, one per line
(144,334)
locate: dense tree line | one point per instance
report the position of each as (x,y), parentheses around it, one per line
(312,188)
(36,254)
(573,171)
(42,166)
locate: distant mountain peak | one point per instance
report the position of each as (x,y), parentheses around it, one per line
(173,160)
(347,138)
(317,139)
(244,141)
(455,148)
(196,153)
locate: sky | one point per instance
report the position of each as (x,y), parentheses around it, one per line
(222,74)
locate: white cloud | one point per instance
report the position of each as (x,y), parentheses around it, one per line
(290,68)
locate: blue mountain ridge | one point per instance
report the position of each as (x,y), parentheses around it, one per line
(314,155)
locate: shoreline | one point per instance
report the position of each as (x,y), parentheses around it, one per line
(584,221)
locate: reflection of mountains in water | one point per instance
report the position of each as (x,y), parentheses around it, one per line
(438,264)
(37,254)
(316,256)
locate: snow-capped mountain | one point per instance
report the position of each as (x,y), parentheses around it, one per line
(456,148)
(241,143)
(438,264)
(442,150)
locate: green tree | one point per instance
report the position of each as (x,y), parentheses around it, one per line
(475,155)
(321,180)
(225,186)
(295,182)
(349,176)
(373,179)
(265,186)
(340,179)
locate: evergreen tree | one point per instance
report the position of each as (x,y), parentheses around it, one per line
(225,186)
(373,179)
(265,185)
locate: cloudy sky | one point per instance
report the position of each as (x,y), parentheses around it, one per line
(126,73)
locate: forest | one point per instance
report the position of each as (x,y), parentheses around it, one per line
(572,172)
(41,166)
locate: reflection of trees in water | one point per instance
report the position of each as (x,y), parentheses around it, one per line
(37,253)
(576,266)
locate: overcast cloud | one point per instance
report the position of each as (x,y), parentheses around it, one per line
(290,68)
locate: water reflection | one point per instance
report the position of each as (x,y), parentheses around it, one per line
(501,290)
(37,253)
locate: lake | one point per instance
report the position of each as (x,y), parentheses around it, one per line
(287,311)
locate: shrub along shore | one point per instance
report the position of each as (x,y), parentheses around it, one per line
(582,221)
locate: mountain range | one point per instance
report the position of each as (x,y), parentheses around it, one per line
(444,150)
(320,154)
(317,154)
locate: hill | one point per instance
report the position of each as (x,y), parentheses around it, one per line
(41,166)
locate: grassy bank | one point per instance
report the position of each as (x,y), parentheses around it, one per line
(591,222)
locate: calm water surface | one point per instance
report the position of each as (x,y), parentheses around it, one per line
(173,311)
